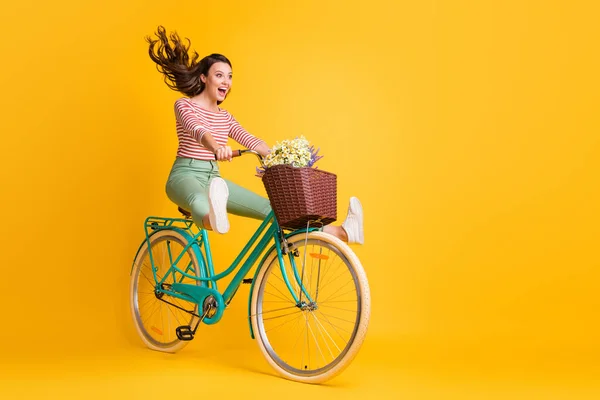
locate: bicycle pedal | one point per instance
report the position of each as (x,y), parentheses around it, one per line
(184,332)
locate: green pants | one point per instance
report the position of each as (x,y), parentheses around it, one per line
(187,186)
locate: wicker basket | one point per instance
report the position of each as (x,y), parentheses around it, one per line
(300,195)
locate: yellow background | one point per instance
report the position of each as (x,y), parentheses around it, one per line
(469,129)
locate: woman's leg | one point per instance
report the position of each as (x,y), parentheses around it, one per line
(351,230)
(195,186)
(191,194)
(189,190)
(246,203)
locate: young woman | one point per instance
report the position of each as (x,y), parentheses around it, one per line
(203,129)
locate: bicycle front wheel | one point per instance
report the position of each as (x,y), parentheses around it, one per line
(154,319)
(313,335)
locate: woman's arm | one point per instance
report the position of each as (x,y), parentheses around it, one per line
(240,135)
(223,153)
(185,115)
(263,149)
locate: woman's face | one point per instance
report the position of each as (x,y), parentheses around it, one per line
(218,81)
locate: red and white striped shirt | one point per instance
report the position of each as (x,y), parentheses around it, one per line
(193,122)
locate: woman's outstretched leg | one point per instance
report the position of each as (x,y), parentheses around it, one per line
(351,230)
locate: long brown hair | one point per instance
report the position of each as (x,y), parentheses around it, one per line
(181,73)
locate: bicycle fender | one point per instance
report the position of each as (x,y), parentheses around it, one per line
(185,234)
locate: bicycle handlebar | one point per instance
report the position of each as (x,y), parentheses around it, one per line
(239,153)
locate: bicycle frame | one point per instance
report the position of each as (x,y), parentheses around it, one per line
(268,231)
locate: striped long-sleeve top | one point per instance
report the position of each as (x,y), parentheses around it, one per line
(193,122)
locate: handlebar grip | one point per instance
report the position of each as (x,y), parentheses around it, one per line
(234,153)
(237,153)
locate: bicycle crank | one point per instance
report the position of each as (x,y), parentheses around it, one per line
(209,308)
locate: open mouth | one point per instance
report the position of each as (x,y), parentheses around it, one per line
(223,91)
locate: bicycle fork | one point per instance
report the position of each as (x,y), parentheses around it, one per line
(304,304)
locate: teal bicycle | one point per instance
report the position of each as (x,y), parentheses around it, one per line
(309,302)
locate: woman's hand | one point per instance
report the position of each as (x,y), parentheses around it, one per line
(263,149)
(224,153)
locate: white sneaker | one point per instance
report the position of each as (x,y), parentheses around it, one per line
(218,193)
(353,225)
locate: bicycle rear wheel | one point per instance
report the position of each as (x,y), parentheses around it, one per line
(155,320)
(315,336)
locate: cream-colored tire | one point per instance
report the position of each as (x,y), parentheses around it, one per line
(301,338)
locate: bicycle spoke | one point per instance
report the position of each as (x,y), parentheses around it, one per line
(281,279)
(337,308)
(275,301)
(318,280)
(326,270)
(335,327)
(328,335)
(277,309)
(280,316)
(330,279)
(317,343)
(338,318)
(150,317)
(279,297)
(168,318)
(284,323)
(176,317)
(320,329)
(340,295)
(178,301)
(340,275)
(303,342)
(149,281)
(162,319)
(153,312)
(146,302)
(283,294)
(307,342)
(300,334)
(339,301)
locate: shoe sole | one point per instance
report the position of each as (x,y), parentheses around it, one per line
(218,193)
(356,209)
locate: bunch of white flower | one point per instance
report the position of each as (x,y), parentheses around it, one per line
(294,152)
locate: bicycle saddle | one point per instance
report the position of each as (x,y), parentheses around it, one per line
(185,213)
